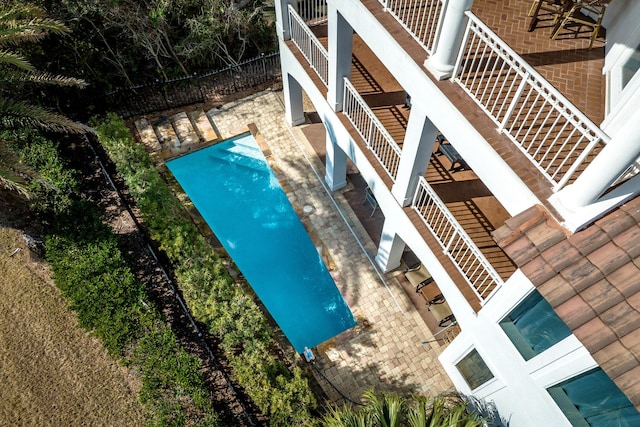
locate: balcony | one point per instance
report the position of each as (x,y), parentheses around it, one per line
(374,114)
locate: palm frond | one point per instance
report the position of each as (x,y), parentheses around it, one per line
(16,114)
(12,173)
(12,58)
(26,23)
(45,78)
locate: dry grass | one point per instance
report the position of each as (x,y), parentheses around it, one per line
(52,373)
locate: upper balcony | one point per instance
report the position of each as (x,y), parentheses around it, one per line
(555,87)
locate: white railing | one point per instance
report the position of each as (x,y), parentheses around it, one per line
(421,18)
(309,45)
(312,12)
(551,131)
(371,130)
(457,244)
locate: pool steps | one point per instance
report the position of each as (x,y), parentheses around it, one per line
(173,135)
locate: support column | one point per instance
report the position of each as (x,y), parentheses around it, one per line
(441,63)
(292,92)
(340,35)
(282,18)
(390,250)
(416,150)
(614,159)
(336,163)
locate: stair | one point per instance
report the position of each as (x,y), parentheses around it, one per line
(177,134)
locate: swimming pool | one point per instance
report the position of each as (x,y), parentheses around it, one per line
(235,191)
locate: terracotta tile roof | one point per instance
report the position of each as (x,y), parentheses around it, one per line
(592,280)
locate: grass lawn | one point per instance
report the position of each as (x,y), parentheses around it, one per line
(52,373)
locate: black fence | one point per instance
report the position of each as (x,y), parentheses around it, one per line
(160,96)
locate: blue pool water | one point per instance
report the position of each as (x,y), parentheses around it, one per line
(235,191)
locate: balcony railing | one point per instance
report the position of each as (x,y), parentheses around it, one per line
(457,244)
(313,12)
(551,131)
(421,18)
(371,130)
(309,45)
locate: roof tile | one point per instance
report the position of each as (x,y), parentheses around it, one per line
(608,258)
(615,359)
(595,335)
(556,290)
(616,222)
(632,207)
(527,218)
(543,236)
(589,239)
(601,296)
(622,318)
(631,386)
(634,301)
(632,342)
(626,279)
(581,274)
(538,271)
(521,250)
(629,241)
(561,255)
(575,312)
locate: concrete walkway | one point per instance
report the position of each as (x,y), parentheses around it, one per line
(384,350)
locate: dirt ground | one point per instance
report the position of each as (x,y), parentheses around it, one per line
(52,372)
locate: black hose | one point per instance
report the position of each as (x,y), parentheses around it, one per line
(167,277)
(313,363)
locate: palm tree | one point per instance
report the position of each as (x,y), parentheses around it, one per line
(19,24)
(390,410)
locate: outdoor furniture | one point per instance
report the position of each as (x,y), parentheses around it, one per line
(418,277)
(442,312)
(369,197)
(577,11)
(551,8)
(452,154)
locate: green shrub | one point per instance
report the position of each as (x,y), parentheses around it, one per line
(210,292)
(102,290)
(168,370)
(53,186)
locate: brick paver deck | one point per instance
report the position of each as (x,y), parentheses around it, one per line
(384,351)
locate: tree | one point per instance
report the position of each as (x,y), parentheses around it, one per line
(390,410)
(21,24)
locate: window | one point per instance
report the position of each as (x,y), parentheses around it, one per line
(473,369)
(593,399)
(533,326)
(630,67)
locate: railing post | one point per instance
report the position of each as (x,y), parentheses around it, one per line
(283,27)
(442,62)
(514,102)
(340,46)
(614,159)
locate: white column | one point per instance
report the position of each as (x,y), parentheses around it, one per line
(391,247)
(282,18)
(336,163)
(340,35)
(441,63)
(417,147)
(292,92)
(622,150)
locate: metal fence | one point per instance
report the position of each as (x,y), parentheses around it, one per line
(165,95)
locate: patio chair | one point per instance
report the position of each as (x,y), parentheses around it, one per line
(583,13)
(418,277)
(548,8)
(369,197)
